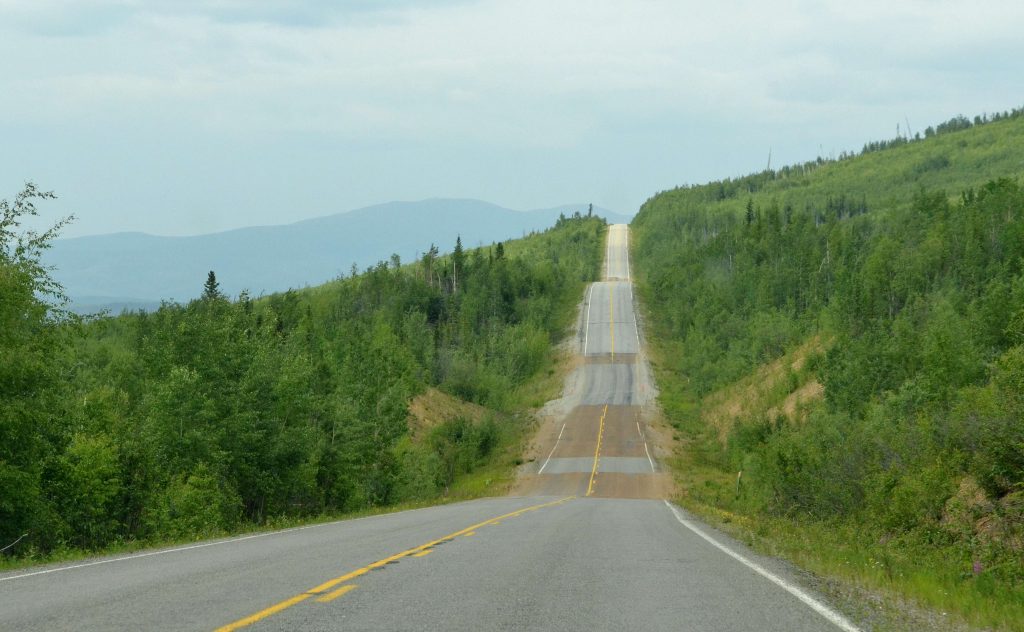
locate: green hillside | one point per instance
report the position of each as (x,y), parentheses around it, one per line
(885,175)
(849,335)
(217,416)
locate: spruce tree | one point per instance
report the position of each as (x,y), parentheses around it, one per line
(458,263)
(211,289)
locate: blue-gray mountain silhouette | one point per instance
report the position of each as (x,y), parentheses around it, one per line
(136,270)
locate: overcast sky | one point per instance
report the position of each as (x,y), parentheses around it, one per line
(182,117)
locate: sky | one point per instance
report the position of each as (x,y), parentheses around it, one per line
(178,117)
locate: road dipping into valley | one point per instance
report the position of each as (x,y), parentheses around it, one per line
(587,541)
(612,383)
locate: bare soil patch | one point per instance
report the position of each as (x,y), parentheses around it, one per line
(433,407)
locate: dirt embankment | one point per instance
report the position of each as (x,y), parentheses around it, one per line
(433,407)
(781,388)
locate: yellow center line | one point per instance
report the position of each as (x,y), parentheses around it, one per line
(263,614)
(324,587)
(423,553)
(597,451)
(337,593)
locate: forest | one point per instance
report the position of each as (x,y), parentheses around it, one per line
(222,414)
(905,305)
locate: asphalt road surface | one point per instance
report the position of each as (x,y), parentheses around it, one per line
(589,544)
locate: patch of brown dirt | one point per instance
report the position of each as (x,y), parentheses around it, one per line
(574,483)
(433,407)
(658,485)
(766,391)
(971,514)
(618,358)
(623,435)
(795,405)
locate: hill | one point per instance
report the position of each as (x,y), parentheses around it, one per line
(138,270)
(849,335)
(217,415)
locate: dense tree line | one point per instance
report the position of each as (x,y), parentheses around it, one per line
(921,312)
(796,175)
(196,419)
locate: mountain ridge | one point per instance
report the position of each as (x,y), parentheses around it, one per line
(140,269)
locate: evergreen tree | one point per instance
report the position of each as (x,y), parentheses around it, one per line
(218,413)
(458,263)
(211,289)
(428,264)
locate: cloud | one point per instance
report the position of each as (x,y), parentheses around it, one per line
(646,93)
(531,67)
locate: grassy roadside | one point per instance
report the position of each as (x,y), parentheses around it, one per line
(498,475)
(883,583)
(846,334)
(278,523)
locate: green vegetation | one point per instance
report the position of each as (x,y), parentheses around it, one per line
(219,415)
(851,339)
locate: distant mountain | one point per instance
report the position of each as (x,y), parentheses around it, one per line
(136,270)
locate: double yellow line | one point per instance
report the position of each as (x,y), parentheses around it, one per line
(417,551)
(597,452)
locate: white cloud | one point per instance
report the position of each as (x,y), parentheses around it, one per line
(530,78)
(533,64)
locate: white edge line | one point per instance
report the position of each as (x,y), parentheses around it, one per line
(626,249)
(636,327)
(611,317)
(135,556)
(606,268)
(834,617)
(586,325)
(541,470)
(649,459)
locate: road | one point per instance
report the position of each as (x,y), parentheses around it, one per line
(588,542)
